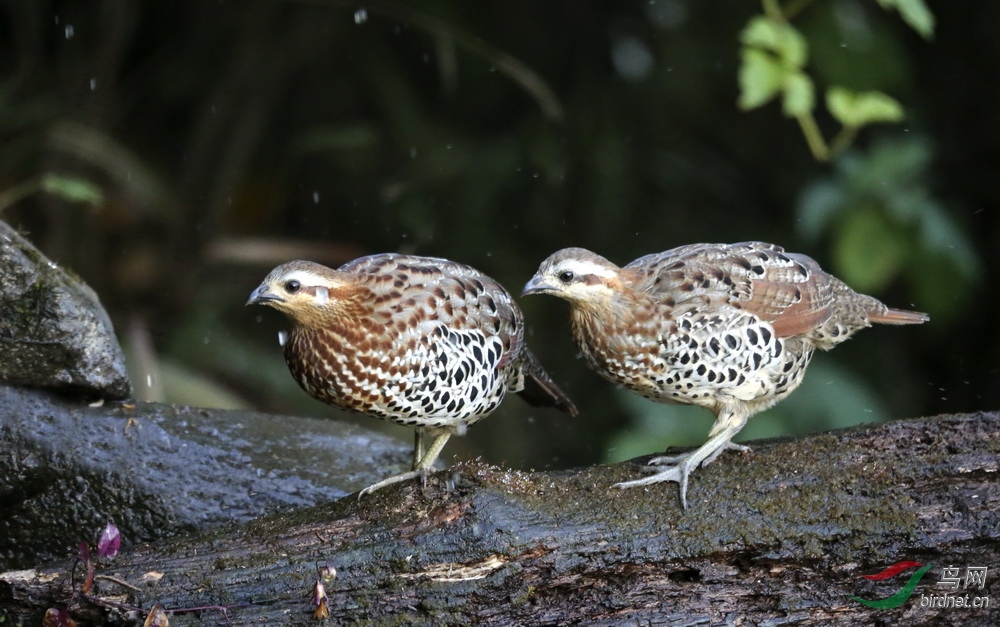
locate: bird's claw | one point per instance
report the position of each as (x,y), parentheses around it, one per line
(678,474)
(672,460)
(405,476)
(678,468)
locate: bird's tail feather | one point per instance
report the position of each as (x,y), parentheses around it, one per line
(899,316)
(540,389)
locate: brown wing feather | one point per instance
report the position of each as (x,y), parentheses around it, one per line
(788,290)
(797,300)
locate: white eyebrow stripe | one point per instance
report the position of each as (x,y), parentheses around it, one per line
(583,267)
(304,277)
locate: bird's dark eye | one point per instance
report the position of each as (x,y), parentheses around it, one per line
(566,276)
(292,286)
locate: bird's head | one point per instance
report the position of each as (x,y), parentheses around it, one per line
(577,275)
(307,292)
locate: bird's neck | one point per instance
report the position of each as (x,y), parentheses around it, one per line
(615,308)
(616,327)
(595,321)
(342,305)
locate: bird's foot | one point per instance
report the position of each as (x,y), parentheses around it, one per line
(665,460)
(405,476)
(728,446)
(679,468)
(671,460)
(678,474)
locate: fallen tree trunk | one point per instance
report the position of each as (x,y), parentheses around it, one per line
(780,535)
(157,470)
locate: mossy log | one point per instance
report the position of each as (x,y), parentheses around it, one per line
(779,535)
(156,470)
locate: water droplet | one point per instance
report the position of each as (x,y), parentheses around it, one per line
(413,152)
(93,84)
(69,31)
(315,198)
(149,379)
(360,16)
(282,337)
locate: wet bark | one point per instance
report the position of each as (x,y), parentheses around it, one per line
(782,534)
(155,470)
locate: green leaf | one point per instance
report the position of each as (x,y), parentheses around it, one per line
(777,37)
(773,56)
(761,32)
(869,251)
(761,78)
(915,13)
(799,95)
(857,109)
(72,188)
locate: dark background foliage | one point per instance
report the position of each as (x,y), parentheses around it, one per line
(171,153)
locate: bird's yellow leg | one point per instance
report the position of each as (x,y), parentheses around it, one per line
(728,425)
(420,468)
(418,447)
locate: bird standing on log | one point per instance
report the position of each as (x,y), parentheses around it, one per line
(422,342)
(730,327)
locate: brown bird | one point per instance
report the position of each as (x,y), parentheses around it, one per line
(730,327)
(422,342)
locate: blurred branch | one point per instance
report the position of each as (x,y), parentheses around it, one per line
(268,251)
(13,195)
(510,66)
(68,188)
(129,172)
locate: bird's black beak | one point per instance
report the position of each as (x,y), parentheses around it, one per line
(263,295)
(536,286)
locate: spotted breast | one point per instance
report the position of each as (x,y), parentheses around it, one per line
(730,327)
(423,342)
